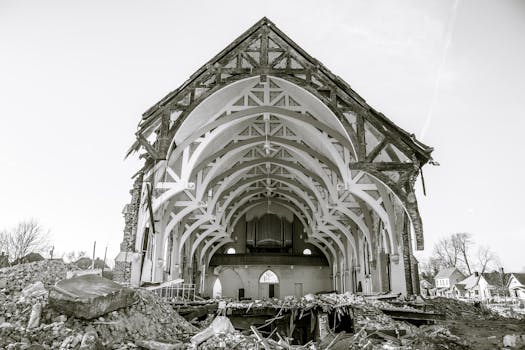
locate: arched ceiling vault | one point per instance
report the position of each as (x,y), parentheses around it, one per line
(265,122)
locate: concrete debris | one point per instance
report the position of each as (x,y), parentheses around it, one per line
(514,341)
(234,340)
(90,296)
(34,290)
(34,319)
(460,310)
(155,345)
(149,318)
(21,276)
(90,341)
(220,325)
(28,321)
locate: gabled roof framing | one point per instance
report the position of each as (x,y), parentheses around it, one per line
(337,85)
(307,73)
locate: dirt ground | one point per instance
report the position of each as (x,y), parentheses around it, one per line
(485,334)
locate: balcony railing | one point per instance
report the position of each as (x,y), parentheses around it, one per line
(264,259)
(179,292)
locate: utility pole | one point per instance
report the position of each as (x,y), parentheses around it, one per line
(93,261)
(104,265)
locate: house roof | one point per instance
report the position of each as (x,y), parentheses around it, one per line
(425,283)
(520,277)
(492,278)
(469,282)
(446,273)
(460,287)
(496,278)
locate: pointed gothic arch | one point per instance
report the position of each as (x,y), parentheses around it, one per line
(269,277)
(265,122)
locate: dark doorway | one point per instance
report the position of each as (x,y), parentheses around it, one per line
(271,290)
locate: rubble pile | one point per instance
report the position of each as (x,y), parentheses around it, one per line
(325,302)
(151,318)
(27,319)
(234,340)
(203,323)
(508,310)
(30,320)
(425,337)
(20,276)
(460,310)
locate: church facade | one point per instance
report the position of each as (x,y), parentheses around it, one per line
(266,175)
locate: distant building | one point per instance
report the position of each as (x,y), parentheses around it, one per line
(426,288)
(446,279)
(459,290)
(482,286)
(497,282)
(516,285)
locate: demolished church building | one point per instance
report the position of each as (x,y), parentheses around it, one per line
(266,175)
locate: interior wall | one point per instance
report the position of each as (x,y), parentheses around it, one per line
(239,237)
(313,279)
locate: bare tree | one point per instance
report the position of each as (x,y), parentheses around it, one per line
(487,259)
(454,251)
(4,242)
(4,249)
(429,268)
(446,253)
(462,242)
(73,256)
(27,237)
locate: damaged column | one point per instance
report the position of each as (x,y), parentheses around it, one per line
(127,263)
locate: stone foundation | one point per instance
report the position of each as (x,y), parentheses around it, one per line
(122,271)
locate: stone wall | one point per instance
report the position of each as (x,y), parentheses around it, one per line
(131,216)
(123,267)
(122,271)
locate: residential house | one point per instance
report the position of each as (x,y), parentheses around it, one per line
(516,285)
(446,279)
(426,288)
(459,291)
(497,282)
(482,286)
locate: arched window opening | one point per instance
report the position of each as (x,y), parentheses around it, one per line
(307,252)
(269,277)
(230,251)
(217,289)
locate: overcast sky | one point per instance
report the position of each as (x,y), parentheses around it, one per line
(75,77)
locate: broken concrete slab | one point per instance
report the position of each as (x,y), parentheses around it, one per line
(34,319)
(513,341)
(90,296)
(34,290)
(90,341)
(155,345)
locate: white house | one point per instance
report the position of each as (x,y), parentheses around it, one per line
(482,286)
(516,285)
(445,279)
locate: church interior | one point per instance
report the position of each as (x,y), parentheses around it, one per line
(265,175)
